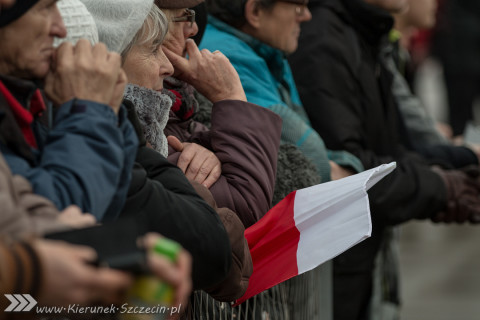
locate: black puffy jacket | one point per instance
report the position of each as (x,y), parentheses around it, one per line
(347,95)
(161,195)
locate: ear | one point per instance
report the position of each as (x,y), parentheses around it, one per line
(252,13)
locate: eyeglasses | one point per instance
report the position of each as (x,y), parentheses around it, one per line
(188,16)
(299,8)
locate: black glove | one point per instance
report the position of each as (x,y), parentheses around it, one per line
(463,195)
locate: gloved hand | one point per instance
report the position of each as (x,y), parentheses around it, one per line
(472,171)
(463,195)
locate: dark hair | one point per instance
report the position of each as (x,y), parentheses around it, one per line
(232,12)
(10,14)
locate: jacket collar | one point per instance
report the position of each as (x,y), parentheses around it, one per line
(12,135)
(22,90)
(371,22)
(275,59)
(152,109)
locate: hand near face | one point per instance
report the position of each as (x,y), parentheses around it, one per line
(211,74)
(86,72)
(177,274)
(73,217)
(197,162)
(68,278)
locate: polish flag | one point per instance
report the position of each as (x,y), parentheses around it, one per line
(308,227)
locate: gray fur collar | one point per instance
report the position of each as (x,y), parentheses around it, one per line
(152,109)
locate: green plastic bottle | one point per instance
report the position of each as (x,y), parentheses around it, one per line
(150,293)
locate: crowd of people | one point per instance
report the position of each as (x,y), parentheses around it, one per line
(118,129)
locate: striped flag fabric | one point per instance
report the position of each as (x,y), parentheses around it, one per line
(308,227)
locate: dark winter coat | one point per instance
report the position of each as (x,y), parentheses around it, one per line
(161,195)
(347,95)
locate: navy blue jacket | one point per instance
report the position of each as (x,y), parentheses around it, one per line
(85,159)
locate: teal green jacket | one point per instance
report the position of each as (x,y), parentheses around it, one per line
(267,80)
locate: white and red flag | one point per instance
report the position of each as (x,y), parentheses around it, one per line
(308,227)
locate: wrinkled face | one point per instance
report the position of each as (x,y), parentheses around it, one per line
(280,25)
(392,6)
(27,43)
(178,32)
(422,14)
(147,66)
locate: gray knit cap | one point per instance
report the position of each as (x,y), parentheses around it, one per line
(78,22)
(119,19)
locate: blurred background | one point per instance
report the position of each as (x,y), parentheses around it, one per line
(440,272)
(440,264)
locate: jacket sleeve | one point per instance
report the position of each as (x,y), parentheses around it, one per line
(297,132)
(20,273)
(245,138)
(162,196)
(448,156)
(420,125)
(326,76)
(16,200)
(261,90)
(236,282)
(86,160)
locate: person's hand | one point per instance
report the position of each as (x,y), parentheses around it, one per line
(463,196)
(86,72)
(211,73)
(475,148)
(68,277)
(198,163)
(73,217)
(119,89)
(177,274)
(337,172)
(445,130)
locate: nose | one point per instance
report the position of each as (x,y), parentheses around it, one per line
(306,16)
(190,30)
(166,67)
(58,27)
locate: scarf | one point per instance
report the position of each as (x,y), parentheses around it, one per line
(185,104)
(152,109)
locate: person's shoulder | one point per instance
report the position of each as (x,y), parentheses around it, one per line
(230,45)
(329,35)
(329,22)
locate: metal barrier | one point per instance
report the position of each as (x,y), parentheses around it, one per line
(305,297)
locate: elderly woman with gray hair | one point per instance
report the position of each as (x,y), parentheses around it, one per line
(159,193)
(137,30)
(242,137)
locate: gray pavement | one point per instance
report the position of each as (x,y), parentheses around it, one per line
(439,264)
(440,269)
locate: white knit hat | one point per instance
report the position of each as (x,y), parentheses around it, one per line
(118,21)
(78,21)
